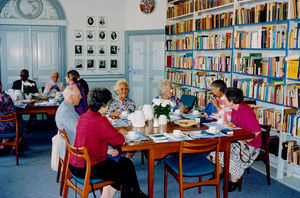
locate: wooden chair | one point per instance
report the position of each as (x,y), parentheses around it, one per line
(191,163)
(61,165)
(11,134)
(81,152)
(264,153)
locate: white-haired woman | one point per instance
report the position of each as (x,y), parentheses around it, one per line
(121,102)
(165,90)
(54,85)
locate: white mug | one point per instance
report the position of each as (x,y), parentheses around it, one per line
(177,133)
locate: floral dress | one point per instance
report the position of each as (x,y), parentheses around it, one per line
(126,105)
(6,106)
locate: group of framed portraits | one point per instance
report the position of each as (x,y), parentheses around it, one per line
(99,48)
(94,64)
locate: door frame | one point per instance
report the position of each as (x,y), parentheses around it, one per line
(136,33)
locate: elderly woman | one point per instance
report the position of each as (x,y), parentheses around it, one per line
(121,102)
(165,90)
(95,132)
(242,153)
(71,79)
(54,85)
(218,88)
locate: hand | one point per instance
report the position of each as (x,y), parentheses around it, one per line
(184,109)
(123,132)
(215,102)
(243,142)
(115,113)
(113,152)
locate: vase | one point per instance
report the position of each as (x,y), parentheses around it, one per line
(155,122)
(162,120)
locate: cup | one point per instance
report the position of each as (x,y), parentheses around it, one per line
(212,129)
(177,133)
(177,111)
(197,120)
(131,134)
(124,114)
(195,112)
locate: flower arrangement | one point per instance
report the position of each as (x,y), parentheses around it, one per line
(162,107)
(28,87)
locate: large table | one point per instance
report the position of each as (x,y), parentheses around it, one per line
(32,109)
(160,150)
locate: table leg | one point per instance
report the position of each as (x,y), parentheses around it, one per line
(150,172)
(226,169)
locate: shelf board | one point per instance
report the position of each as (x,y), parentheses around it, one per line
(262,23)
(213,29)
(215,8)
(179,50)
(294,49)
(267,49)
(178,68)
(254,75)
(223,49)
(181,84)
(181,33)
(206,70)
(293,79)
(182,16)
(263,101)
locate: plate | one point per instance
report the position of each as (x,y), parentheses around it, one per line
(174,117)
(178,135)
(185,122)
(28,101)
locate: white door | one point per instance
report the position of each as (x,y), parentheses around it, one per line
(34,48)
(146,66)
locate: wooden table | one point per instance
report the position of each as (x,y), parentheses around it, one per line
(32,109)
(160,150)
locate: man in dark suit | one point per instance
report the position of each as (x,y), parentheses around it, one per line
(19,84)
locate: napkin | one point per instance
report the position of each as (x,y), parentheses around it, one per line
(120,123)
(140,137)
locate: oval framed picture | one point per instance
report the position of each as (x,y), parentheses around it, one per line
(90,21)
(102,35)
(90,35)
(114,35)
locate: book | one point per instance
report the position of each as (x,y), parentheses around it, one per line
(284,150)
(227,131)
(294,151)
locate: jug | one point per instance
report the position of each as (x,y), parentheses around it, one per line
(148,112)
(138,119)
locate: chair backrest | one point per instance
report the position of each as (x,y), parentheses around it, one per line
(12,117)
(64,135)
(188,100)
(265,136)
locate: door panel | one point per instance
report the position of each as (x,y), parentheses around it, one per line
(146,66)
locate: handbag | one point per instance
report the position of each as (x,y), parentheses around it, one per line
(210,108)
(54,153)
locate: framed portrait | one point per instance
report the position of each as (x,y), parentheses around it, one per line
(113,50)
(114,36)
(102,64)
(102,50)
(90,20)
(102,35)
(78,35)
(114,64)
(90,63)
(78,64)
(78,50)
(90,35)
(90,50)
(102,22)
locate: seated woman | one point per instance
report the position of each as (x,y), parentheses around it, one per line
(242,153)
(95,132)
(121,102)
(218,88)
(6,107)
(54,85)
(165,90)
(71,79)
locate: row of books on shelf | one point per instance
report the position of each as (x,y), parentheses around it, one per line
(291,151)
(272,11)
(292,95)
(214,21)
(203,97)
(179,77)
(206,4)
(180,43)
(265,37)
(221,62)
(294,38)
(294,9)
(203,80)
(179,90)
(214,41)
(293,69)
(268,116)
(180,8)
(179,61)
(258,89)
(180,27)
(255,64)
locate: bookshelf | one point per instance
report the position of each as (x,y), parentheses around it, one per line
(249,44)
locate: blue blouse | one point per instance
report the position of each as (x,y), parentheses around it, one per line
(126,105)
(177,104)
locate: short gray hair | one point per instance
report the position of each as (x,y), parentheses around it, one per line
(119,82)
(163,86)
(54,72)
(69,90)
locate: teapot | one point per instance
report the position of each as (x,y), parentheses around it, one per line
(148,111)
(137,118)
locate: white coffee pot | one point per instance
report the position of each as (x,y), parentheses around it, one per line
(148,111)
(137,118)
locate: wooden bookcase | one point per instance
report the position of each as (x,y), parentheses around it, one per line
(232,40)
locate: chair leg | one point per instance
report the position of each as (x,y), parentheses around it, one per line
(199,187)
(268,170)
(58,170)
(218,190)
(240,181)
(17,154)
(66,189)
(165,182)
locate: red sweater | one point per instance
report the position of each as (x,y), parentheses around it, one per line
(95,132)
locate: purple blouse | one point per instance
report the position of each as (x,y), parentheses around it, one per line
(81,108)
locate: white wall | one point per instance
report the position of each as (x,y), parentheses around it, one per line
(136,20)
(76,13)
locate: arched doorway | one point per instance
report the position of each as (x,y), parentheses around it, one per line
(32,36)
